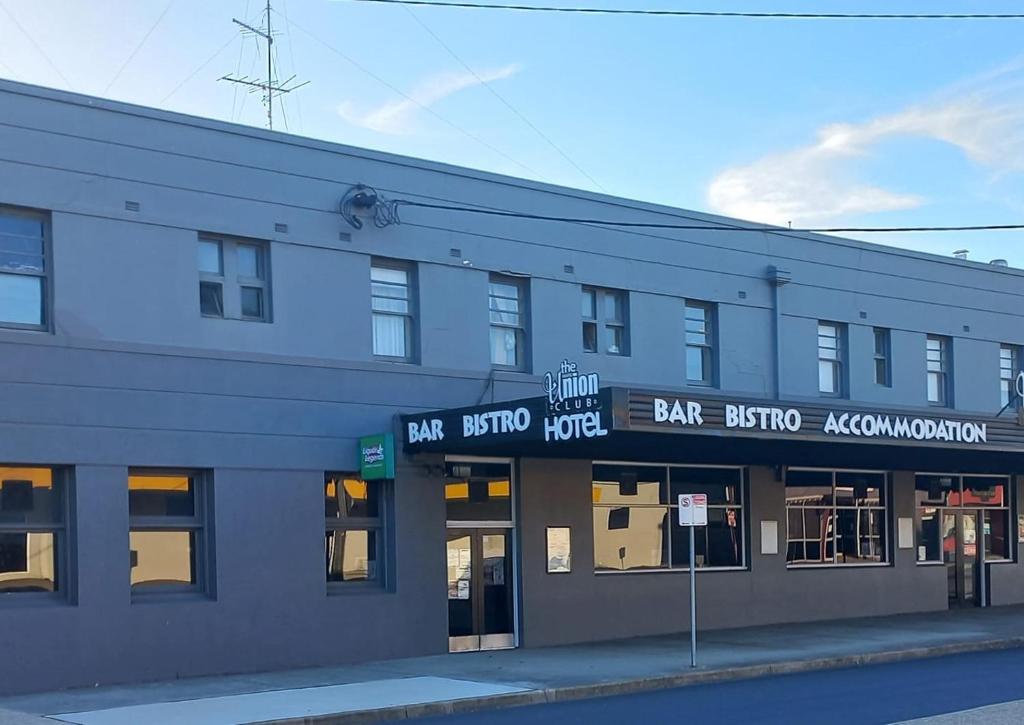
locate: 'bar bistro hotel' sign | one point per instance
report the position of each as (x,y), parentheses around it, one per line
(573,408)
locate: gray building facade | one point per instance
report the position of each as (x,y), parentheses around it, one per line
(193,341)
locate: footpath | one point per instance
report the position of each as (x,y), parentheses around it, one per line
(441,684)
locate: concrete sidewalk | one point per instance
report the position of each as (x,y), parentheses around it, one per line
(400,689)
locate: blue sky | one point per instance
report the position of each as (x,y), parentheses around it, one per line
(870,123)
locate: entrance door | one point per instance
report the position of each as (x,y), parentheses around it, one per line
(960,552)
(480,611)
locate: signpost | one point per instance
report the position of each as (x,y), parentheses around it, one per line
(693,512)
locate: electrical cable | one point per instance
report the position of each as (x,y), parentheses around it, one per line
(703,13)
(35,45)
(412,100)
(138,47)
(205,63)
(503,100)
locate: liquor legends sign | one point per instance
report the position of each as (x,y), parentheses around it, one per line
(574,409)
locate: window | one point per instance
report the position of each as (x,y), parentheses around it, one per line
(1009,366)
(835,517)
(167,536)
(636,519)
(605,321)
(233,278)
(831,358)
(23,269)
(478,491)
(33,539)
(354,540)
(700,343)
(508,322)
(883,357)
(938,370)
(391,288)
(940,497)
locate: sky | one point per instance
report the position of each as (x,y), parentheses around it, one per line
(814,123)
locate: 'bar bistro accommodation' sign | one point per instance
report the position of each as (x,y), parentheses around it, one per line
(573,408)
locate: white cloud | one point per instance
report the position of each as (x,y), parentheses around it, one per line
(398,117)
(817,182)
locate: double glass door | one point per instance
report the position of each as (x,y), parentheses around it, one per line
(961,553)
(480,609)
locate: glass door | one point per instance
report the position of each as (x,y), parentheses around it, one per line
(480,610)
(961,556)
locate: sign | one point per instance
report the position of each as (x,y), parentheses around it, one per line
(377,456)
(573,404)
(693,509)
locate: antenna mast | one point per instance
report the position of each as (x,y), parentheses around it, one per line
(270,87)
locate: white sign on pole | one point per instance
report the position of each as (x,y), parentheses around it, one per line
(693,509)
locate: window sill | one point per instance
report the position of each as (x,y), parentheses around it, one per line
(930,563)
(686,570)
(357,588)
(865,565)
(18,600)
(169,597)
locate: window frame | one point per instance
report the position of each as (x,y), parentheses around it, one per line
(672,509)
(521,329)
(886,524)
(200,523)
(63,540)
(410,317)
(1009,506)
(232,282)
(1007,385)
(46,277)
(603,324)
(708,347)
(944,373)
(378,525)
(837,363)
(883,356)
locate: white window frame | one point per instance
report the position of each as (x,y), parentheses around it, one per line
(602,324)
(938,353)
(520,328)
(409,317)
(835,357)
(45,276)
(883,356)
(706,342)
(1009,367)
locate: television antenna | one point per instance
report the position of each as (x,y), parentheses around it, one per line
(270,87)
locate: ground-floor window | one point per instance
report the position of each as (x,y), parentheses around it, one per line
(835,517)
(354,541)
(636,519)
(984,500)
(33,512)
(167,515)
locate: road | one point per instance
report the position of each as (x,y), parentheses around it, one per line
(858,696)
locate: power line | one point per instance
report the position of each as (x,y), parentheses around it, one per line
(205,63)
(35,45)
(503,100)
(705,13)
(238,65)
(397,203)
(412,100)
(138,47)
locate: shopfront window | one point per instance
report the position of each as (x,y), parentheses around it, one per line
(32,530)
(636,518)
(835,517)
(354,539)
(986,496)
(478,491)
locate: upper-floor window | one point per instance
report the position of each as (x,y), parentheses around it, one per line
(939,387)
(605,325)
(507,303)
(233,279)
(33,536)
(1009,366)
(167,530)
(700,343)
(831,359)
(24,267)
(392,291)
(883,356)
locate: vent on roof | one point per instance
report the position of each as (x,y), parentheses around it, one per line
(281,228)
(961,253)
(132,206)
(568,269)
(455,252)
(999,263)
(344,237)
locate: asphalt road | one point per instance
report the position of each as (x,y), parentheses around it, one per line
(858,696)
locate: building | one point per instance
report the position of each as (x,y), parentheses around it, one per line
(194,340)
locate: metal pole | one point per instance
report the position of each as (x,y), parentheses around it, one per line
(270,73)
(693,599)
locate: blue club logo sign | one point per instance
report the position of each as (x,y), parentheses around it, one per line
(573,404)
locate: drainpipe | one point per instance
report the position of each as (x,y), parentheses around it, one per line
(777,278)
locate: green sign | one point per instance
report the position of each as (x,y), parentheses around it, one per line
(377,456)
